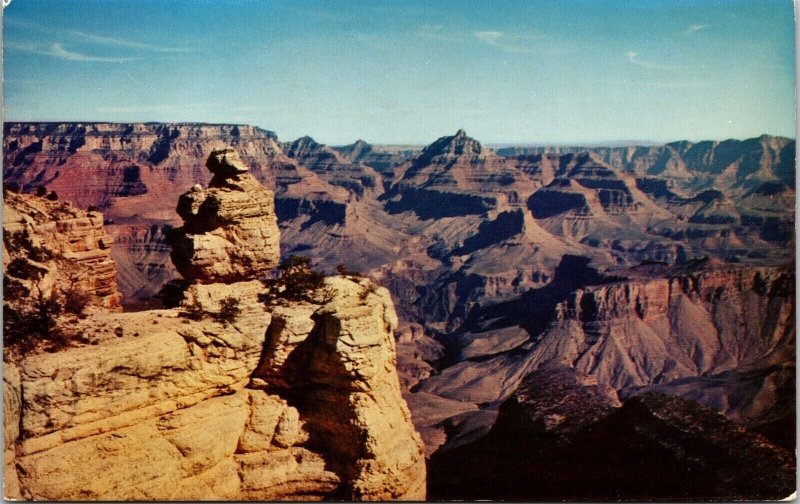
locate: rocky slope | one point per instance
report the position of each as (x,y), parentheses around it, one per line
(260,402)
(562,437)
(723,337)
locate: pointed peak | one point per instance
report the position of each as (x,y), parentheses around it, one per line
(457,145)
(305,140)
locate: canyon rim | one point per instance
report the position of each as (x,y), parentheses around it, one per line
(469,284)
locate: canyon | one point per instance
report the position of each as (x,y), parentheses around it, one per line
(640,280)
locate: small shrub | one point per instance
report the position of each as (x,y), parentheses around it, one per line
(194,310)
(21,241)
(52,196)
(296,281)
(228,310)
(46,309)
(76,300)
(341,269)
(41,191)
(27,324)
(14,289)
(20,267)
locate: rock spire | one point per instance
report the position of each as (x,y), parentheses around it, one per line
(230,231)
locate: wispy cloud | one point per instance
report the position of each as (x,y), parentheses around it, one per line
(633,59)
(117,42)
(437,32)
(57,50)
(78,37)
(509,42)
(692,29)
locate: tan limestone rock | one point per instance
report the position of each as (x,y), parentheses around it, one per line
(230,230)
(343,373)
(159,406)
(63,248)
(297,402)
(12,402)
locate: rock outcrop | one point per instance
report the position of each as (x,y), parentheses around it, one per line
(296,401)
(338,368)
(560,438)
(230,232)
(159,407)
(52,246)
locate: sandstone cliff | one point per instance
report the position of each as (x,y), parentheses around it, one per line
(52,246)
(158,407)
(297,401)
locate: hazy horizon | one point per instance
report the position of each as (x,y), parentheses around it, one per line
(490,144)
(547,73)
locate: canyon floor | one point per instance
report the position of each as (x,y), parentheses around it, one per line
(566,323)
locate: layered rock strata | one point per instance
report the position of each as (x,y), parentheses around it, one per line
(230,231)
(50,245)
(172,409)
(638,333)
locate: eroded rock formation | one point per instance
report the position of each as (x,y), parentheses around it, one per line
(292,402)
(230,232)
(52,246)
(342,379)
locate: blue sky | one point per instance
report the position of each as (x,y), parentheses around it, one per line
(411,71)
